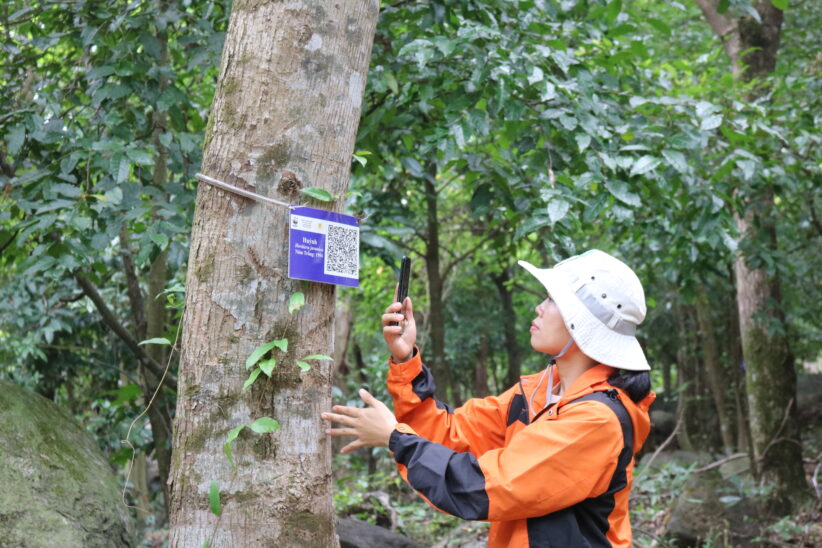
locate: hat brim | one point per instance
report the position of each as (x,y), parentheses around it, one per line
(593,337)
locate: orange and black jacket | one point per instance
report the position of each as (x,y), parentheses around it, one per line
(558,475)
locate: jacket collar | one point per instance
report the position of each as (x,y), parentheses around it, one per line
(587,382)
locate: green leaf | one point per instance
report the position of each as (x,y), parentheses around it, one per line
(229,455)
(232,435)
(267,366)
(676,160)
(264,349)
(251,378)
(159,238)
(644,165)
(214,499)
(557,209)
(391,81)
(140,157)
(264,425)
(15,139)
(723,6)
(659,25)
(319,357)
(583,141)
(711,122)
(123,169)
(621,192)
(318,194)
(296,302)
(780,4)
(613,9)
(114,196)
(156,340)
(303,366)
(126,393)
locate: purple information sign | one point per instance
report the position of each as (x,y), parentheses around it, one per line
(324,247)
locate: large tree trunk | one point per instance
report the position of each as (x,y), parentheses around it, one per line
(752,48)
(770,379)
(284,116)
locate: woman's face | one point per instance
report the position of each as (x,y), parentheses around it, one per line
(548,331)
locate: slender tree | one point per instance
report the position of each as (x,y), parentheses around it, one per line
(284,117)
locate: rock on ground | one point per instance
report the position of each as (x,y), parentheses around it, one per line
(57,488)
(354,533)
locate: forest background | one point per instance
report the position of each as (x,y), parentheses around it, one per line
(490,132)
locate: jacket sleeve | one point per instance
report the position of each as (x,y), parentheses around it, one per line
(548,466)
(477,426)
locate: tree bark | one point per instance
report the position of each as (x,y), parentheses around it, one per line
(509,321)
(158,412)
(481,369)
(284,116)
(770,377)
(752,48)
(713,368)
(684,375)
(436,360)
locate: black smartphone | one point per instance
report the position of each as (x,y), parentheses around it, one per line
(405,277)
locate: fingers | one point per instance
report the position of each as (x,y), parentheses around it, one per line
(389,317)
(394,308)
(409,309)
(353,446)
(350,432)
(368,398)
(348,419)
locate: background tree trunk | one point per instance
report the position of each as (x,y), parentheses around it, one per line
(509,318)
(284,116)
(713,368)
(752,48)
(481,369)
(448,391)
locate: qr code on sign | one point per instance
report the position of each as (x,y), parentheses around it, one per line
(342,251)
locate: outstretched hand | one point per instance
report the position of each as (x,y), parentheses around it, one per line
(372,425)
(400,338)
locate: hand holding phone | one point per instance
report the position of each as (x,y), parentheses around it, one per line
(398,326)
(402,286)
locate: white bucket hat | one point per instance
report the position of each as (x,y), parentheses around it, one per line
(601,302)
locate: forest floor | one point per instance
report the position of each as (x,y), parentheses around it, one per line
(382,498)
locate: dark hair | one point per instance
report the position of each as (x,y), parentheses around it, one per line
(637,384)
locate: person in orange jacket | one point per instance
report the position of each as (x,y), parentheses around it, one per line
(550,461)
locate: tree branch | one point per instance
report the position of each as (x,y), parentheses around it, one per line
(8,243)
(721,24)
(659,449)
(135,294)
(468,253)
(726,30)
(814,219)
(111,321)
